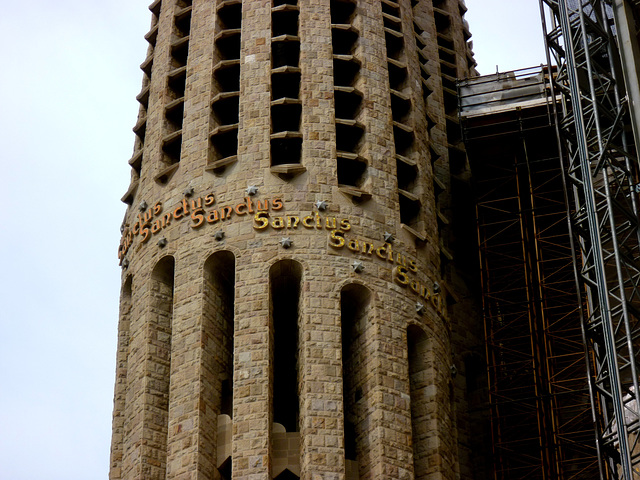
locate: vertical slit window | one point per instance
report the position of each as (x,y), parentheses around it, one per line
(219,293)
(120,394)
(419,383)
(225,104)
(159,346)
(286,106)
(174,110)
(143,96)
(285,280)
(351,167)
(342,11)
(355,317)
(401,111)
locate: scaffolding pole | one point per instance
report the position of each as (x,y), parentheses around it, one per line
(601,180)
(540,406)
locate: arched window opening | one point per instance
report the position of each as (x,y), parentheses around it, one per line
(160,323)
(120,393)
(355,315)
(287,475)
(218,325)
(419,349)
(124,333)
(225,469)
(285,278)
(219,302)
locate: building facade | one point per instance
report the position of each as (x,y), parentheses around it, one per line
(293,303)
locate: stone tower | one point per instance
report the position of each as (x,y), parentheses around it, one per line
(291,305)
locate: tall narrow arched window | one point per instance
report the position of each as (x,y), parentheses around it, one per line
(159,355)
(419,375)
(218,324)
(355,301)
(120,393)
(285,278)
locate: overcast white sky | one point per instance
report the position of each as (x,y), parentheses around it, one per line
(68,79)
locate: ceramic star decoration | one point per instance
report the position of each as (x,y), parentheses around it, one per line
(322,205)
(286,242)
(252,190)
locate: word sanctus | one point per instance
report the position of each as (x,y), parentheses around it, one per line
(404,266)
(384,251)
(199,210)
(401,278)
(262,221)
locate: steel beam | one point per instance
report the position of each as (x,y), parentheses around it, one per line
(601,175)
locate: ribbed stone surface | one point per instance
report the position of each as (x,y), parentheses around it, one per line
(325,244)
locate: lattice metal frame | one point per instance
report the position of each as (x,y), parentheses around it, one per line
(601,174)
(540,406)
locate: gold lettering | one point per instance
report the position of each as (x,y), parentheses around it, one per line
(336,240)
(262,207)
(307,221)
(198,218)
(240,211)
(400,275)
(353,245)
(261,220)
(435,301)
(329,224)
(412,266)
(157,208)
(276,204)
(389,253)
(226,212)
(195,204)
(277,223)
(209,200)
(144,231)
(425,292)
(381,251)
(345,226)
(213,217)
(292,222)
(367,248)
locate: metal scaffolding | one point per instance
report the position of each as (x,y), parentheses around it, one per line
(597,152)
(538,392)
